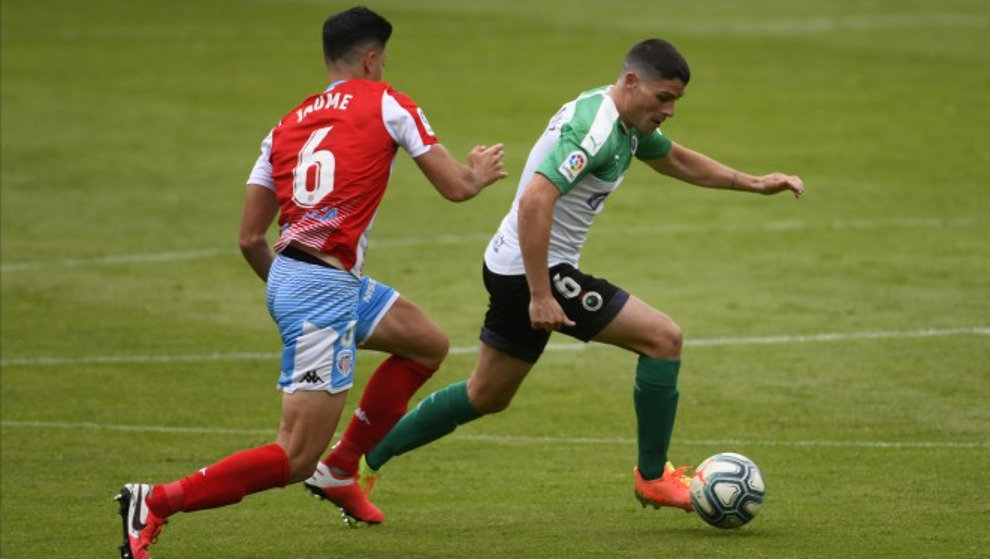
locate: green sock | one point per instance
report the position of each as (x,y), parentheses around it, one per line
(437,415)
(655,397)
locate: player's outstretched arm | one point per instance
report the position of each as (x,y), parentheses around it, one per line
(260,209)
(701,170)
(458,182)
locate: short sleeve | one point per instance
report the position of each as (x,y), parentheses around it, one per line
(406,123)
(261,174)
(567,162)
(653,146)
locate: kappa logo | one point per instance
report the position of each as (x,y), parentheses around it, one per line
(362,416)
(311,377)
(573,164)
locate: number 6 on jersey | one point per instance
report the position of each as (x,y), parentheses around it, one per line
(312,179)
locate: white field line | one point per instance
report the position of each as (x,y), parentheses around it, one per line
(88,425)
(700,342)
(112,359)
(508,439)
(802,26)
(725,442)
(117,259)
(481,238)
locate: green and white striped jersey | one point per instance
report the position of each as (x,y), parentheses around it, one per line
(585,151)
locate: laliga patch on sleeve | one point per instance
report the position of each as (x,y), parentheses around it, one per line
(573,165)
(426,123)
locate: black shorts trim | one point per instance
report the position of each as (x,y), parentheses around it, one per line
(592,303)
(528,350)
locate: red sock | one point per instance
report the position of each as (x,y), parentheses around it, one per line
(384,401)
(223,483)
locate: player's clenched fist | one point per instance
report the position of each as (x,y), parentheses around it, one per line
(546,314)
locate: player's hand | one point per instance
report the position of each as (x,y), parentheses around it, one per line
(545,314)
(486,164)
(779,182)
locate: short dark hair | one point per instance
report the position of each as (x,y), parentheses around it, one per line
(656,59)
(347,32)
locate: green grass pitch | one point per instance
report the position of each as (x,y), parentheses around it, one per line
(841,340)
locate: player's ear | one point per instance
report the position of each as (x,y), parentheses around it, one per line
(630,79)
(371,62)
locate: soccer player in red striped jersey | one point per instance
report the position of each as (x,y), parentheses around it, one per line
(323,171)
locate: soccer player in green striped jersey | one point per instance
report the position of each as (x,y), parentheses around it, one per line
(532,276)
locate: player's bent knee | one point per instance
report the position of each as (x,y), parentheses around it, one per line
(665,342)
(488,406)
(433,350)
(302,461)
(440,348)
(487,403)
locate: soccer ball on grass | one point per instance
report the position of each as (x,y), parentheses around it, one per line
(727,490)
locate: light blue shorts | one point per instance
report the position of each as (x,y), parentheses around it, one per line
(322,314)
(373,304)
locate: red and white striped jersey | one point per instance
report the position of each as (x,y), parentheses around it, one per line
(329,160)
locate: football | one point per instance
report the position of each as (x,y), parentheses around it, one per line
(727,490)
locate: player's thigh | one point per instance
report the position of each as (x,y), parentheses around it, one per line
(309,419)
(406,331)
(495,379)
(641,328)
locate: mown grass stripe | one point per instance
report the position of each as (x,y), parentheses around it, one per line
(699,342)
(481,238)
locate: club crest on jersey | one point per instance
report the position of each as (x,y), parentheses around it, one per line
(633,143)
(573,165)
(591,301)
(345,361)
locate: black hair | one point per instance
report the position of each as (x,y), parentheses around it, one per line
(347,32)
(656,59)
